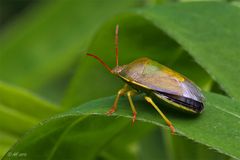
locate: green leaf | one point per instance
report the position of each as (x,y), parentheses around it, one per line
(19,111)
(87,129)
(9,117)
(161,145)
(193,150)
(210,35)
(6,141)
(154,146)
(125,145)
(16,98)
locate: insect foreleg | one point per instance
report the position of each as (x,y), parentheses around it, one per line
(120,93)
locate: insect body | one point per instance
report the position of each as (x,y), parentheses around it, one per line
(156,81)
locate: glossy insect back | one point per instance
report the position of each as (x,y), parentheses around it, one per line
(163,83)
(156,81)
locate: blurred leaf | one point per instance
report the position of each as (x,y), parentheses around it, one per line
(86,128)
(153,147)
(235,3)
(25,102)
(125,145)
(6,141)
(19,111)
(9,117)
(192,150)
(47,40)
(137,38)
(209,34)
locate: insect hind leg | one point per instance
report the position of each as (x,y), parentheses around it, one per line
(149,100)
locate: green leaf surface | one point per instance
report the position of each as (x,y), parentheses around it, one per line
(71,132)
(193,150)
(209,31)
(160,145)
(154,146)
(125,145)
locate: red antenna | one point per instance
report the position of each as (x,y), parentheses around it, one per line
(101,61)
(116,43)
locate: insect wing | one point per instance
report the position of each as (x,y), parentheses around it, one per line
(157,77)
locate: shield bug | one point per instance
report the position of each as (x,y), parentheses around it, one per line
(156,81)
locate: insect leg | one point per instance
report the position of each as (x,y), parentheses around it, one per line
(130,94)
(149,100)
(121,92)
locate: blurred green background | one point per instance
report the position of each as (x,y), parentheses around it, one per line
(44,71)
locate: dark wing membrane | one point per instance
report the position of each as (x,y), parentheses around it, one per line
(162,79)
(186,102)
